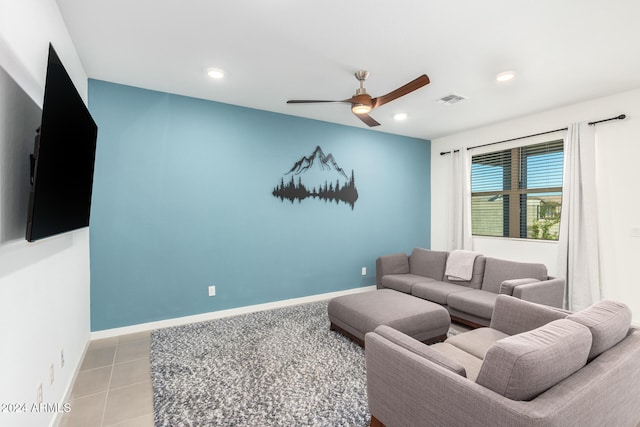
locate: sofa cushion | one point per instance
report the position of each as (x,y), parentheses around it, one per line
(608,322)
(475,301)
(427,263)
(522,366)
(420,349)
(478,341)
(394,263)
(497,271)
(436,291)
(402,282)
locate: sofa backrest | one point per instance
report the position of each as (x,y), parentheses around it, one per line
(513,316)
(428,263)
(477,275)
(497,271)
(608,322)
(522,366)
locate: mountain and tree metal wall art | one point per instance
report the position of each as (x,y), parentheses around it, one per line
(324,178)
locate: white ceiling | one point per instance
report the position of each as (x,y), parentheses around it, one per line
(564,51)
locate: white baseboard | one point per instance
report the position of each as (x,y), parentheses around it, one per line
(143,327)
(57,419)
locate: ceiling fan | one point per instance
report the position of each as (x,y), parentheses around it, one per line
(362,103)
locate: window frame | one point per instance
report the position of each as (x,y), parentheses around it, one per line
(516,212)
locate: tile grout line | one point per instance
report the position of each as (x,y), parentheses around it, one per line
(131,419)
(113,366)
(129,361)
(101,413)
(106,399)
(130,384)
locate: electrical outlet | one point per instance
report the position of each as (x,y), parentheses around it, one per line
(51,373)
(212,291)
(39,394)
(62,358)
(364,271)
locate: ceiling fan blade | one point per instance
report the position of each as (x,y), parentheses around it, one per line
(367,119)
(311,101)
(423,80)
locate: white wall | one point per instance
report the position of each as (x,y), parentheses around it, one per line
(618,148)
(44,286)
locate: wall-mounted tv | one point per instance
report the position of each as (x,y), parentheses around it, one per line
(63,158)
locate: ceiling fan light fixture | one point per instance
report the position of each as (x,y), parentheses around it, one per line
(360,108)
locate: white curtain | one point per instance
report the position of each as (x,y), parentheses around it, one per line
(460,201)
(578,254)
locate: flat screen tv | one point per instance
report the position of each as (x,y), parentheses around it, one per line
(63,158)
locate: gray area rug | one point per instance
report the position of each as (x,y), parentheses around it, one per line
(280,367)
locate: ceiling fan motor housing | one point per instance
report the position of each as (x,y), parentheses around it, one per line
(362,97)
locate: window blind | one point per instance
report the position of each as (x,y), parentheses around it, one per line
(517,192)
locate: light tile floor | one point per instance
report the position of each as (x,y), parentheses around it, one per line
(113,386)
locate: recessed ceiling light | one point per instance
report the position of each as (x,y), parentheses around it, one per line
(215,73)
(400,116)
(505,76)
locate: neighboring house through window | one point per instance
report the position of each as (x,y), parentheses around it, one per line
(518,192)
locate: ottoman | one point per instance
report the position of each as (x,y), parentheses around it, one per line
(356,314)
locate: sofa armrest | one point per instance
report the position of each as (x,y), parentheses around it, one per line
(513,315)
(547,292)
(421,349)
(391,264)
(506,287)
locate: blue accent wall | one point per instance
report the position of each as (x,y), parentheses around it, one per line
(182,200)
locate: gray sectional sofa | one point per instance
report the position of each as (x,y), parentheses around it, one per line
(534,366)
(422,274)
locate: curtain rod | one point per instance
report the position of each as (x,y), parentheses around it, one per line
(620,117)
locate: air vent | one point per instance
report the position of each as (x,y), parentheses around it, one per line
(451,99)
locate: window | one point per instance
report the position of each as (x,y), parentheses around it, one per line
(518,192)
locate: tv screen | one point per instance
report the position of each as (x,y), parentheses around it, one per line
(63,159)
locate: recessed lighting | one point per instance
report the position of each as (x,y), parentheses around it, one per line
(505,76)
(400,116)
(215,73)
